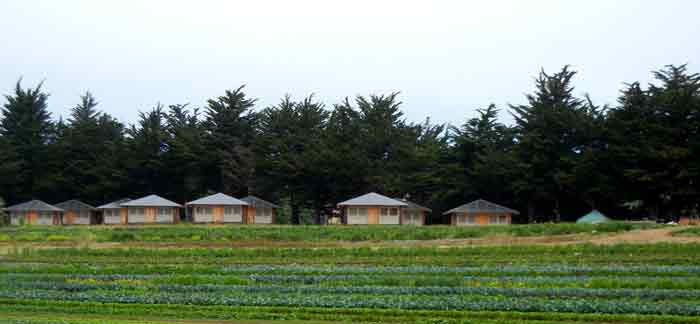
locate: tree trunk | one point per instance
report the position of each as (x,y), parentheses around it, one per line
(295,210)
(530,212)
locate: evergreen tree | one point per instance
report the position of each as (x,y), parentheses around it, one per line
(553,132)
(146,147)
(78,147)
(291,137)
(654,140)
(186,148)
(484,154)
(26,128)
(230,125)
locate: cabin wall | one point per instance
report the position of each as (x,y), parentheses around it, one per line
(373,214)
(218,214)
(405,217)
(461,219)
(68,217)
(150,216)
(123,216)
(249,215)
(32,218)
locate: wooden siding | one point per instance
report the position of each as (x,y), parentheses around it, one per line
(218,214)
(405,217)
(373,214)
(32,217)
(479,219)
(71,217)
(150,215)
(249,214)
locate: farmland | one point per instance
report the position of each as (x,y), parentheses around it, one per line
(96,275)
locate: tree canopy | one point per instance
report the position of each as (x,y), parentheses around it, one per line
(562,156)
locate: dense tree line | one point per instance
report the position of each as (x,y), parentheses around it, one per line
(563,156)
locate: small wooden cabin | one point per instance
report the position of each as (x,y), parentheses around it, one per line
(259,211)
(689,220)
(413,214)
(152,209)
(372,209)
(114,213)
(217,208)
(35,212)
(76,212)
(481,212)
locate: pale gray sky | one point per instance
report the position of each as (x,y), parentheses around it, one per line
(446,57)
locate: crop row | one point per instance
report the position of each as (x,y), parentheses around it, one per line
(365,280)
(550,270)
(464,303)
(654,294)
(316,314)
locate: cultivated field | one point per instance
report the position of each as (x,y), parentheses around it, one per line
(271,274)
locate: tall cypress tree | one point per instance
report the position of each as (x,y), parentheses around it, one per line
(654,139)
(289,145)
(146,148)
(230,125)
(27,128)
(553,131)
(185,149)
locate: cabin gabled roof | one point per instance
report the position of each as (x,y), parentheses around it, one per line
(373,199)
(481,206)
(414,206)
(219,199)
(151,201)
(256,202)
(115,204)
(74,205)
(33,205)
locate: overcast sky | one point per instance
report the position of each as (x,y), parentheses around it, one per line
(446,57)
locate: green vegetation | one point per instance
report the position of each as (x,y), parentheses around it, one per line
(624,283)
(690,231)
(205,233)
(562,154)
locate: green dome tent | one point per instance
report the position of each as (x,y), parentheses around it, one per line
(594,217)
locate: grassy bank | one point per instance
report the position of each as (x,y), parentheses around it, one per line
(228,233)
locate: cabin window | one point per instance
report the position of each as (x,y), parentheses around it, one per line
(167,212)
(233,214)
(45,218)
(466,219)
(263,215)
(498,219)
(413,217)
(358,215)
(204,211)
(232,211)
(136,211)
(17,218)
(389,216)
